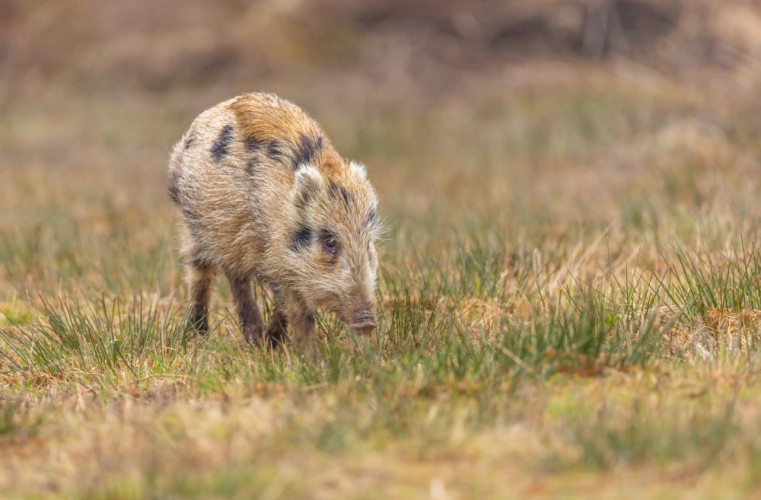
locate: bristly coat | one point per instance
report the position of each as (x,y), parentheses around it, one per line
(263,194)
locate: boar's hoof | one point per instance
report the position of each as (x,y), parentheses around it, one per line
(253,335)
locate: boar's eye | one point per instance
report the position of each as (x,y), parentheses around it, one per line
(330,246)
(329,243)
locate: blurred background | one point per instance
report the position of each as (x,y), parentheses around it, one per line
(410,49)
(558,111)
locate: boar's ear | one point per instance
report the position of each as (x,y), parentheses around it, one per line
(358,169)
(307,184)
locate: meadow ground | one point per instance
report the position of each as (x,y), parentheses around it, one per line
(569,292)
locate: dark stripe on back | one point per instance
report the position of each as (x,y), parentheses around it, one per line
(250,166)
(307,149)
(276,150)
(252,144)
(219,148)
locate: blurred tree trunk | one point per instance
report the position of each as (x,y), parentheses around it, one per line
(602,28)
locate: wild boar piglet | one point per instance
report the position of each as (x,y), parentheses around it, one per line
(263,195)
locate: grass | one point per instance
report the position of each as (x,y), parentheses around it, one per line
(568,298)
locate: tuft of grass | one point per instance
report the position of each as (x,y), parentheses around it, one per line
(591,335)
(100,337)
(701,283)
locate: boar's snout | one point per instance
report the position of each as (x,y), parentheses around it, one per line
(364,323)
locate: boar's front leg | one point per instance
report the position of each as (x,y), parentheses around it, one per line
(302,321)
(304,333)
(276,331)
(248,313)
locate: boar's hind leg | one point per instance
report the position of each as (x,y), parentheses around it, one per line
(248,313)
(276,330)
(200,285)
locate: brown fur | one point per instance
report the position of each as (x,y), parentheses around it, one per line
(263,195)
